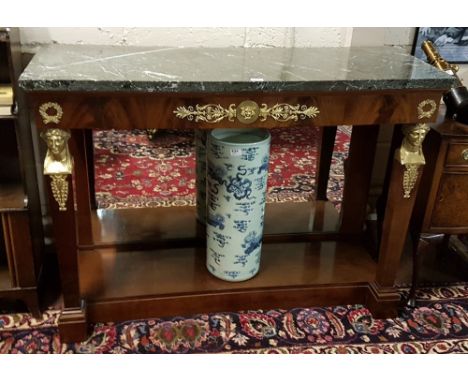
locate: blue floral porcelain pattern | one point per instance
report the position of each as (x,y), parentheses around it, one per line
(241,225)
(251,242)
(236,193)
(240,188)
(216,220)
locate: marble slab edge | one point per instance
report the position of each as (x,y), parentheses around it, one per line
(234,87)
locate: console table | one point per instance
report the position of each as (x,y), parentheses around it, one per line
(129,264)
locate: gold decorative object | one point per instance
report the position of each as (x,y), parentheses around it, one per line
(58,159)
(409,179)
(435,59)
(410,151)
(465,154)
(283,112)
(210,113)
(59,187)
(246,112)
(55,117)
(423,111)
(58,163)
(410,154)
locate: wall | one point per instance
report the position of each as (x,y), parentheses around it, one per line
(213,37)
(402,37)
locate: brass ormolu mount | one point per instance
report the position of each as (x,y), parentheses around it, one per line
(58,163)
(410,153)
(246,112)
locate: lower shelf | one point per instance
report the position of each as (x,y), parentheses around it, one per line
(129,285)
(150,262)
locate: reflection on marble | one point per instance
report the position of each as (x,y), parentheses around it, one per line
(118,68)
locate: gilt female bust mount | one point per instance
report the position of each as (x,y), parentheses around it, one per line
(411,152)
(58,159)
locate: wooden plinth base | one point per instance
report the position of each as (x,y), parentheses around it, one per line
(72,324)
(382,302)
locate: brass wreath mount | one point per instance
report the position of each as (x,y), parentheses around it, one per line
(51,117)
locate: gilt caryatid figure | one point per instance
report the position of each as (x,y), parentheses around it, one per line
(410,154)
(58,159)
(58,163)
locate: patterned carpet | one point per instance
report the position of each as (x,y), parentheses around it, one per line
(133,171)
(438,325)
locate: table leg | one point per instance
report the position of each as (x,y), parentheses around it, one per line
(358,171)
(89,149)
(383,298)
(418,246)
(325,144)
(382,199)
(72,322)
(319,215)
(80,154)
(422,243)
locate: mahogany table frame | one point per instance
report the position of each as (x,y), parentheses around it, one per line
(365,110)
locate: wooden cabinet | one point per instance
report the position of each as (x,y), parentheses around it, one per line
(442,203)
(450,212)
(20,228)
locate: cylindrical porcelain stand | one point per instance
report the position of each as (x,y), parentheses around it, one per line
(200,173)
(237,161)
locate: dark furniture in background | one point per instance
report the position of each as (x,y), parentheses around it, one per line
(21,228)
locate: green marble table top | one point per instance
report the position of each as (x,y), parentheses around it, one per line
(91,68)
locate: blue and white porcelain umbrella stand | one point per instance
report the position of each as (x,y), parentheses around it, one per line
(237,172)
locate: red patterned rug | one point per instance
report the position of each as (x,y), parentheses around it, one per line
(133,171)
(438,325)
